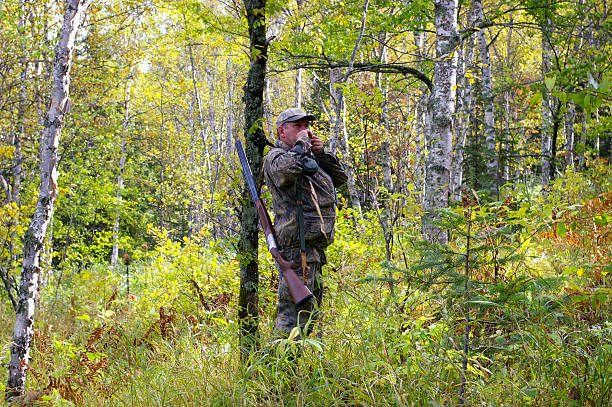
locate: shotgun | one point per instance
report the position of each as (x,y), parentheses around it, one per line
(298,290)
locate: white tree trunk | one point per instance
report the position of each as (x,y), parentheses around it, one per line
(442,108)
(122,158)
(298,88)
(423,127)
(508,143)
(384,117)
(35,235)
(464,115)
(507,137)
(340,141)
(198,100)
(547,107)
(337,96)
(487,96)
(423,119)
(268,113)
(211,128)
(229,124)
(570,118)
(584,128)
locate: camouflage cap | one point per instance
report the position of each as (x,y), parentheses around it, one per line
(293,115)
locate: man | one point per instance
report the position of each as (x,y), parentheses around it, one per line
(302,178)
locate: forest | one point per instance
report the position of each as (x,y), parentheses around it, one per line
(472,258)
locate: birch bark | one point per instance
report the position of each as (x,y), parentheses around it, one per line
(229,124)
(442,108)
(547,106)
(464,114)
(423,117)
(508,142)
(198,100)
(384,117)
(35,235)
(570,119)
(584,128)
(340,109)
(487,98)
(298,88)
(268,111)
(122,158)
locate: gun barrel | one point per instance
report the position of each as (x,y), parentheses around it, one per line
(246,169)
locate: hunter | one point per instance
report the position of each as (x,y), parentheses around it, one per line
(302,178)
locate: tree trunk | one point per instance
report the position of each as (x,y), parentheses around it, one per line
(254,148)
(35,235)
(268,111)
(384,117)
(509,147)
(338,141)
(570,118)
(487,98)
(423,118)
(442,108)
(464,115)
(213,152)
(298,87)
(198,100)
(229,124)
(122,158)
(508,143)
(584,127)
(17,167)
(547,106)
(336,81)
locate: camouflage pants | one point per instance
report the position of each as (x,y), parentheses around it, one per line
(306,315)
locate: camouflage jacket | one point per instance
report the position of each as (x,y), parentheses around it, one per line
(283,174)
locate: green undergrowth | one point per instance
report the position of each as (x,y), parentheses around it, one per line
(537,305)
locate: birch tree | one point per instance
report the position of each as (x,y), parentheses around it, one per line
(442,107)
(464,113)
(122,160)
(35,235)
(547,102)
(487,94)
(340,110)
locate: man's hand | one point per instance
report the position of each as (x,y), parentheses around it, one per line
(315,141)
(303,141)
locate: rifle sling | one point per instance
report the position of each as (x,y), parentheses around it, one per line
(301,232)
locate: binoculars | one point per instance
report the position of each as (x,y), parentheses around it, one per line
(309,164)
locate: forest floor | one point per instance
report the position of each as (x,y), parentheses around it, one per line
(537,307)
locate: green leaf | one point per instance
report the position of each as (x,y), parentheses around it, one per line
(535,99)
(578,98)
(562,96)
(561,229)
(604,86)
(587,102)
(602,220)
(550,82)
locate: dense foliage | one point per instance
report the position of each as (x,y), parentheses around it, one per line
(147,151)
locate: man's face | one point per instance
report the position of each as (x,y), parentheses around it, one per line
(289,132)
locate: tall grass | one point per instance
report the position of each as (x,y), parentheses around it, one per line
(540,336)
